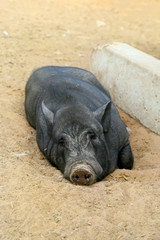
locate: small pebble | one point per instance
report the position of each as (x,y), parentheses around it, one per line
(49,35)
(5,33)
(64,236)
(73,227)
(58,219)
(100,23)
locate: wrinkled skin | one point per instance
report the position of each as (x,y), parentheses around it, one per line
(78,128)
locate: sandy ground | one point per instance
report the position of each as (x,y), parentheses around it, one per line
(36,201)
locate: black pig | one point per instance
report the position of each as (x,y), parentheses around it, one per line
(78,128)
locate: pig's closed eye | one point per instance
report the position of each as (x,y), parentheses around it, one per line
(92,136)
(62,142)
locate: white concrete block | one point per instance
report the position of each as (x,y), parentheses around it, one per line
(133,80)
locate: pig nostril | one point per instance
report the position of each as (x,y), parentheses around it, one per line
(87,177)
(76,178)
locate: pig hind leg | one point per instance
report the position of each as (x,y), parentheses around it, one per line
(125,158)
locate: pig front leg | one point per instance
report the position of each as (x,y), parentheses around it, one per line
(125,158)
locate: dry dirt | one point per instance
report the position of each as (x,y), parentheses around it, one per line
(37,203)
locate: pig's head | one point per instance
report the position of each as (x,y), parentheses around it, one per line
(77,143)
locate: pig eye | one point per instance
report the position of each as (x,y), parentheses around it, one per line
(62,142)
(92,135)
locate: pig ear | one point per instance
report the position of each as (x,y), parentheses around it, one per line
(103,115)
(47,113)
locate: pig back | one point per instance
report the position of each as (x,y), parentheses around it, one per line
(59,86)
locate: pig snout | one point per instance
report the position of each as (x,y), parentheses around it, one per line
(82,175)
